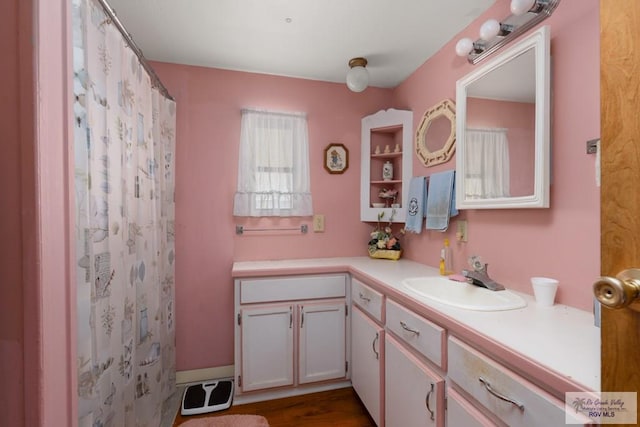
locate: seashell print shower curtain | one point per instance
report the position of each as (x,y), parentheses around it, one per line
(124,195)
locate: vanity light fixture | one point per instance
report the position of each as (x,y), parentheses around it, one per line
(525,14)
(358,76)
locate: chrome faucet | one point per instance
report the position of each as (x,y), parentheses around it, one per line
(479,275)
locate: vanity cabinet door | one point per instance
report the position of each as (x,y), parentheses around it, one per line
(367,346)
(461,413)
(322,345)
(414,394)
(267,347)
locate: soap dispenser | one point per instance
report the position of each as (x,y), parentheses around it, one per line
(446,262)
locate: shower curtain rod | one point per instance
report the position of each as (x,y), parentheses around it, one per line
(154,77)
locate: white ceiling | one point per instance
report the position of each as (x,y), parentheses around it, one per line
(396,36)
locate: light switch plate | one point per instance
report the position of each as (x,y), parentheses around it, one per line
(461,232)
(318,223)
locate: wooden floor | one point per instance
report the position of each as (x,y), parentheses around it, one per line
(340,407)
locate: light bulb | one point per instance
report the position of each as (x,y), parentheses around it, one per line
(520,7)
(357,79)
(489,29)
(464,46)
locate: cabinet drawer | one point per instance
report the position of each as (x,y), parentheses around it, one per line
(416,331)
(366,298)
(292,288)
(531,405)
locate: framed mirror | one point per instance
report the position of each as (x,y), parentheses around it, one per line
(502,158)
(436,134)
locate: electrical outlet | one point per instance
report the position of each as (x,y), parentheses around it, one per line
(461,232)
(318,223)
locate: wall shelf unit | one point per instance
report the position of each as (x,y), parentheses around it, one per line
(387,136)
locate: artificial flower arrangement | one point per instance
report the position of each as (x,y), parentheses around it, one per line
(383,243)
(388,193)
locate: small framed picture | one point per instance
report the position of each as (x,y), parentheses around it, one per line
(336,158)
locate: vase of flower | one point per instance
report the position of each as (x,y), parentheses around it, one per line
(384,244)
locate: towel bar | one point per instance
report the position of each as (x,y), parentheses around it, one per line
(304,228)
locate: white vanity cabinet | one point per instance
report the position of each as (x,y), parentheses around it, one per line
(414,393)
(290,339)
(367,369)
(267,347)
(367,348)
(387,138)
(290,331)
(414,349)
(322,341)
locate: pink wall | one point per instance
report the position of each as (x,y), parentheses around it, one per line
(563,241)
(37,307)
(55,258)
(519,120)
(209,103)
(11,299)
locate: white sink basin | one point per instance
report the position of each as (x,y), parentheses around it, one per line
(462,295)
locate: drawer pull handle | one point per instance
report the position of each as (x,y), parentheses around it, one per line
(426,400)
(500,396)
(373,346)
(363,298)
(290,317)
(408,329)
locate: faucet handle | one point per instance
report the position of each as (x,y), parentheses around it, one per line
(476,263)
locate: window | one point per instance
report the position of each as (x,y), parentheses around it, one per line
(487,164)
(273,165)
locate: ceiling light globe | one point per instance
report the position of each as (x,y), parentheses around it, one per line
(357,79)
(520,7)
(464,46)
(489,29)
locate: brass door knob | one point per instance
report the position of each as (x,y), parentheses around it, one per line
(620,291)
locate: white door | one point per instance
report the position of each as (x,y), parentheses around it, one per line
(322,341)
(367,345)
(414,394)
(267,347)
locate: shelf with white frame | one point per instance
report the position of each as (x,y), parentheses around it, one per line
(391,131)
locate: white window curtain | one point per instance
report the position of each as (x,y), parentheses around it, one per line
(487,163)
(273,165)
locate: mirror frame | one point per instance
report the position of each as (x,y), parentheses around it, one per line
(446,109)
(539,41)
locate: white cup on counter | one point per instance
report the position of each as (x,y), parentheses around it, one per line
(544,289)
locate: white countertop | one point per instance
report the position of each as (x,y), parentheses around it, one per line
(561,341)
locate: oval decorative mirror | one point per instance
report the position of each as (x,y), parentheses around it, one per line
(436,134)
(502,159)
